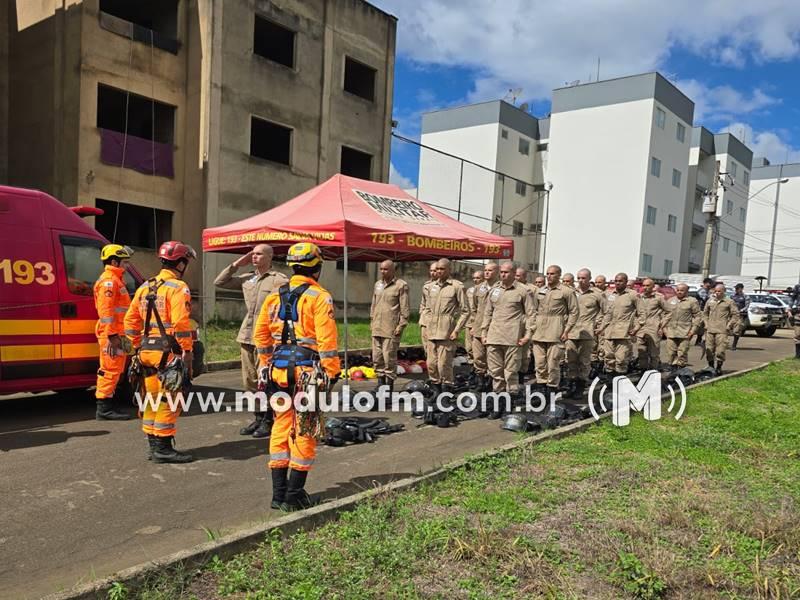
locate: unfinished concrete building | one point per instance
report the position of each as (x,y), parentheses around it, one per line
(175,115)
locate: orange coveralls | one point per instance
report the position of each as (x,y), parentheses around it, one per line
(315,329)
(174,305)
(111,300)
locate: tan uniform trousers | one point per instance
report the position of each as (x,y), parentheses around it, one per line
(599,349)
(716,344)
(249,367)
(426,347)
(384,356)
(479,359)
(548,356)
(579,358)
(649,348)
(678,351)
(797,334)
(525,357)
(440,361)
(618,354)
(504,364)
(468,344)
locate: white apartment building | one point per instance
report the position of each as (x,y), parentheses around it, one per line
(615,173)
(710,153)
(769,191)
(502,138)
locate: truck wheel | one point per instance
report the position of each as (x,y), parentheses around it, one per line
(766,331)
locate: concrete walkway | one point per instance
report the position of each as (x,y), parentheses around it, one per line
(80,500)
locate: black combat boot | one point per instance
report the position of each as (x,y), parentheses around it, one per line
(381,383)
(521,376)
(105,411)
(279,485)
(296,496)
(797,350)
(164,452)
(251,428)
(718,368)
(264,429)
(735,342)
(152,445)
(580,388)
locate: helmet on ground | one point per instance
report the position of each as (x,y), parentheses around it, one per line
(357,374)
(415,386)
(304,254)
(115,251)
(515,422)
(174,251)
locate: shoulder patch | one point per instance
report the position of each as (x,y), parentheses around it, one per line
(108,283)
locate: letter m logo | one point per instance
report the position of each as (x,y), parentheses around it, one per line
(646,398)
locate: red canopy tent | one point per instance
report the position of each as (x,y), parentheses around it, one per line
(352,218)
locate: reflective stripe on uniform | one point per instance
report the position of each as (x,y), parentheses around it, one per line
(327,353)
(306,340)
(131,332)
(264,350)
(279,456)
(121,309)
(147,422)
(106,319)
(164,425)
(182,334)
(305,462)
(171,284)
(166,325)
(312,293)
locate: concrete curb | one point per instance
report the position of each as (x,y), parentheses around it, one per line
(246,539)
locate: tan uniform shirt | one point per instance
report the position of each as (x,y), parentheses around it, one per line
(471,304)
(390,307)
(423,317)
(653,308)
(445,308)
(509,315)
(556,311)
(481,293)
(255,289)
(591,307)
(681,317)
(721,316)
(622,315)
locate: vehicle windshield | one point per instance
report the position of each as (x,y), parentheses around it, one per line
(766,300)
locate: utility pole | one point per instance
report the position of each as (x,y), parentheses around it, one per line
(710,201)
(774,226)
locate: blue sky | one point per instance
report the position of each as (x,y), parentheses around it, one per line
(739,63)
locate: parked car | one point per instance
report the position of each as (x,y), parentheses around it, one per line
(774,300)
(764,317)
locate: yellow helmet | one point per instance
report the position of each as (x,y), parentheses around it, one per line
(304,254)
(115,251)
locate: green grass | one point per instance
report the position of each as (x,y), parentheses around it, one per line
(221,344)
(704,507)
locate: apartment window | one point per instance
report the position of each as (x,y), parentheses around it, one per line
(521,188)
(655,167)
(270,141)
(746,177)
(667,267)
(356,163)
(504,134)
(726,244)
(153,21)
(273,42)
(359,79)
(535,228)
(133,225)
(661,118)
(146,118)
(738,250)
(651,215)
(672,223)
(729,207)
(647,263)
(541,147)
(743,214)
(733,168)
(517,227)
(524,146)
(676,178)
(680,133)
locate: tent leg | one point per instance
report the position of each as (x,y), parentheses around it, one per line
(346,328)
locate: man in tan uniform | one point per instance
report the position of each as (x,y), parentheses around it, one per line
(568,279)
(507,330)
(538,282)
(555,316)
(521,276)
(721,317)
(653,305)
(622,321)
(477,279)
(582,337)
(255,285)
(388,314)
(680,321)
(598,352)
(447,312)
(483,380)
(423,319)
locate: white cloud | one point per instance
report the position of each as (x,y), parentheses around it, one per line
(398,179)
(723,102)
(765,143)
(540,44)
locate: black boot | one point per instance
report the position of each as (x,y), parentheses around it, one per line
(381,383)
(580,387)
(296,496)
(279,485)
(718,368)
(735,342)
(250,428)
(105,412)
(264,429)
(521,376)
(797,350)
(152,445)
(437,389)
(164,452)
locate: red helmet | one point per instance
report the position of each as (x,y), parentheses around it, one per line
(174,251)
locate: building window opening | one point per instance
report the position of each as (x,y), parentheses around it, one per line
(270,141)
(274,42)
(359,79)
(156,18)
(356,163)
(137,226)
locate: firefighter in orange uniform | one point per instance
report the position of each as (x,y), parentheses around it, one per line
(164,346)
(111,300)
(295,337)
